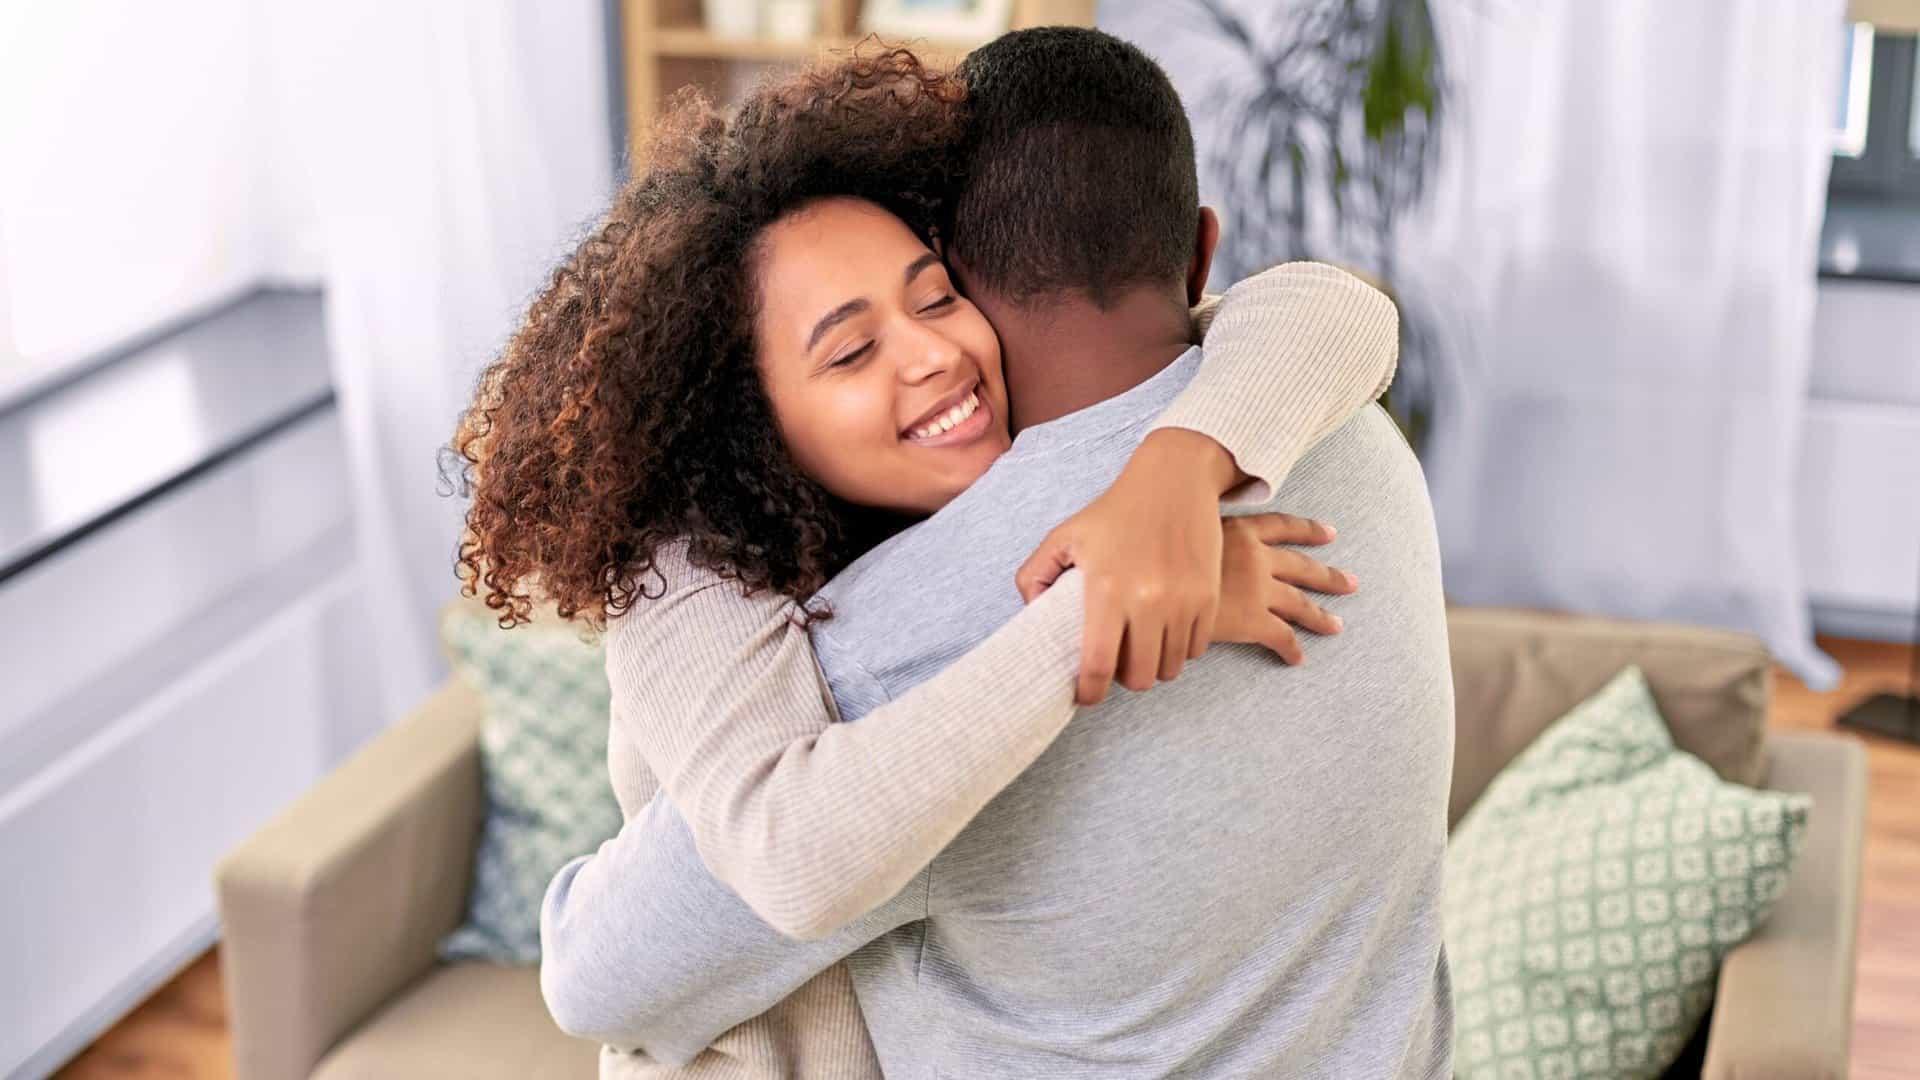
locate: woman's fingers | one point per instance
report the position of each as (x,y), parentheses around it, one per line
(1290,529)
(1100,642)
(1279,639)
(1047,563)
(1140,652)
(1202,636)
(1292,605)
(1173,649)
(1306,572)
(1138,640)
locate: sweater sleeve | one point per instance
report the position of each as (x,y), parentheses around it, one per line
(815,823)
(1290,354)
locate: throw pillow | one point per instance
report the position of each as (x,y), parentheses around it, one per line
(1593,890)
(543,751)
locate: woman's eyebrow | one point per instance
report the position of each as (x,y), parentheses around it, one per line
(834,318)
(854,307)
(919,264)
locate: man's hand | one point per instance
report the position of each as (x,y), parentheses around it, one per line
(1150,550)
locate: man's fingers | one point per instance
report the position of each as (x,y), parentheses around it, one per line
(1292,605)
(1100,642)
(1044,566)
(1306,572)
(1289,529)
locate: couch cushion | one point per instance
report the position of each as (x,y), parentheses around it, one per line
(543,756)
(1515,672)
(1593,891)
(472,1020)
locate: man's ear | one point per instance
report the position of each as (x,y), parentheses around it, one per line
(1206,238)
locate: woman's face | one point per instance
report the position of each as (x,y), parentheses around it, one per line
(885,381)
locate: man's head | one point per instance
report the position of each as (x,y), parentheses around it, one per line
(1080,174)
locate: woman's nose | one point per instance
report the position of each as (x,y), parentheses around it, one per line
(927,354)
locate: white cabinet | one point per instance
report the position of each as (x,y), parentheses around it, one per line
(1860,461)
(174,680)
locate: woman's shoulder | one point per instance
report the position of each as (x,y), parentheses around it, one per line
(688,626)
(676,592)
(672,568)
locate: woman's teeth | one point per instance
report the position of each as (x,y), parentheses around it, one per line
(946,421)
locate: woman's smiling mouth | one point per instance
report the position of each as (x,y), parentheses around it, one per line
(965,421)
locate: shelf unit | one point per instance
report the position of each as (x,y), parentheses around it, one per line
(665,46)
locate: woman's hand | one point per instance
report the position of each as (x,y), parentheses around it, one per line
(1261,597)
(1151,551)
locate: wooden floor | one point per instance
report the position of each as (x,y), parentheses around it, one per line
(1886,1006)
(181,1031)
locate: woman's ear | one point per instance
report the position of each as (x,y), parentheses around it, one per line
(1205,240)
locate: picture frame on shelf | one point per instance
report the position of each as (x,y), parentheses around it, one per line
(731,18)
(939,20)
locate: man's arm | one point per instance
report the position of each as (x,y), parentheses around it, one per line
(642,948)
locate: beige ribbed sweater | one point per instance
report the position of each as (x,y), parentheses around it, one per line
(815,823)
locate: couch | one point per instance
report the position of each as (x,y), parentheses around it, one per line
(331,913)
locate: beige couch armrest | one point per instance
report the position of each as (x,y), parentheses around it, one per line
(1784,1007)
(341,900)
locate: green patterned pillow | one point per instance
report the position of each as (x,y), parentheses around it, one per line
(543,749)
(1593,890)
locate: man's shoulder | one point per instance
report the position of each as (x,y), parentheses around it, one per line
(1006,511)
(1357,457)
(935,589)
(1375,426)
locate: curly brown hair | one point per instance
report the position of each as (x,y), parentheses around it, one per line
(627,411)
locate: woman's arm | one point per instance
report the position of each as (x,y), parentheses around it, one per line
(815,823)
(1289,355)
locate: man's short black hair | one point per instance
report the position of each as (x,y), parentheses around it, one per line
(1079,170)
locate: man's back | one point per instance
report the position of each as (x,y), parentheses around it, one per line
(1237,873)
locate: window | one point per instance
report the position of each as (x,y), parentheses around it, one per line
(1856,67)
(130,195)
(1913,117)
(9,355)
(1877,120)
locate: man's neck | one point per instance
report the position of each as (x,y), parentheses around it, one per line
(1068,352)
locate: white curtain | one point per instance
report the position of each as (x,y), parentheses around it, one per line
(1620,257)
(446,154)
(1629,235)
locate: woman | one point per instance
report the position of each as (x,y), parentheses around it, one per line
(754,370)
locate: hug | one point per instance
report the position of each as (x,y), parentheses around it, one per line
(883,425)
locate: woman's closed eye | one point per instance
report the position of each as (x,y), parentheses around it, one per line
(935,306)
(852,356)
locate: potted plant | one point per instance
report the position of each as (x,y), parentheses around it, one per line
(1330,142)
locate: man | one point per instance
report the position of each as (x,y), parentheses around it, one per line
(1237,874)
